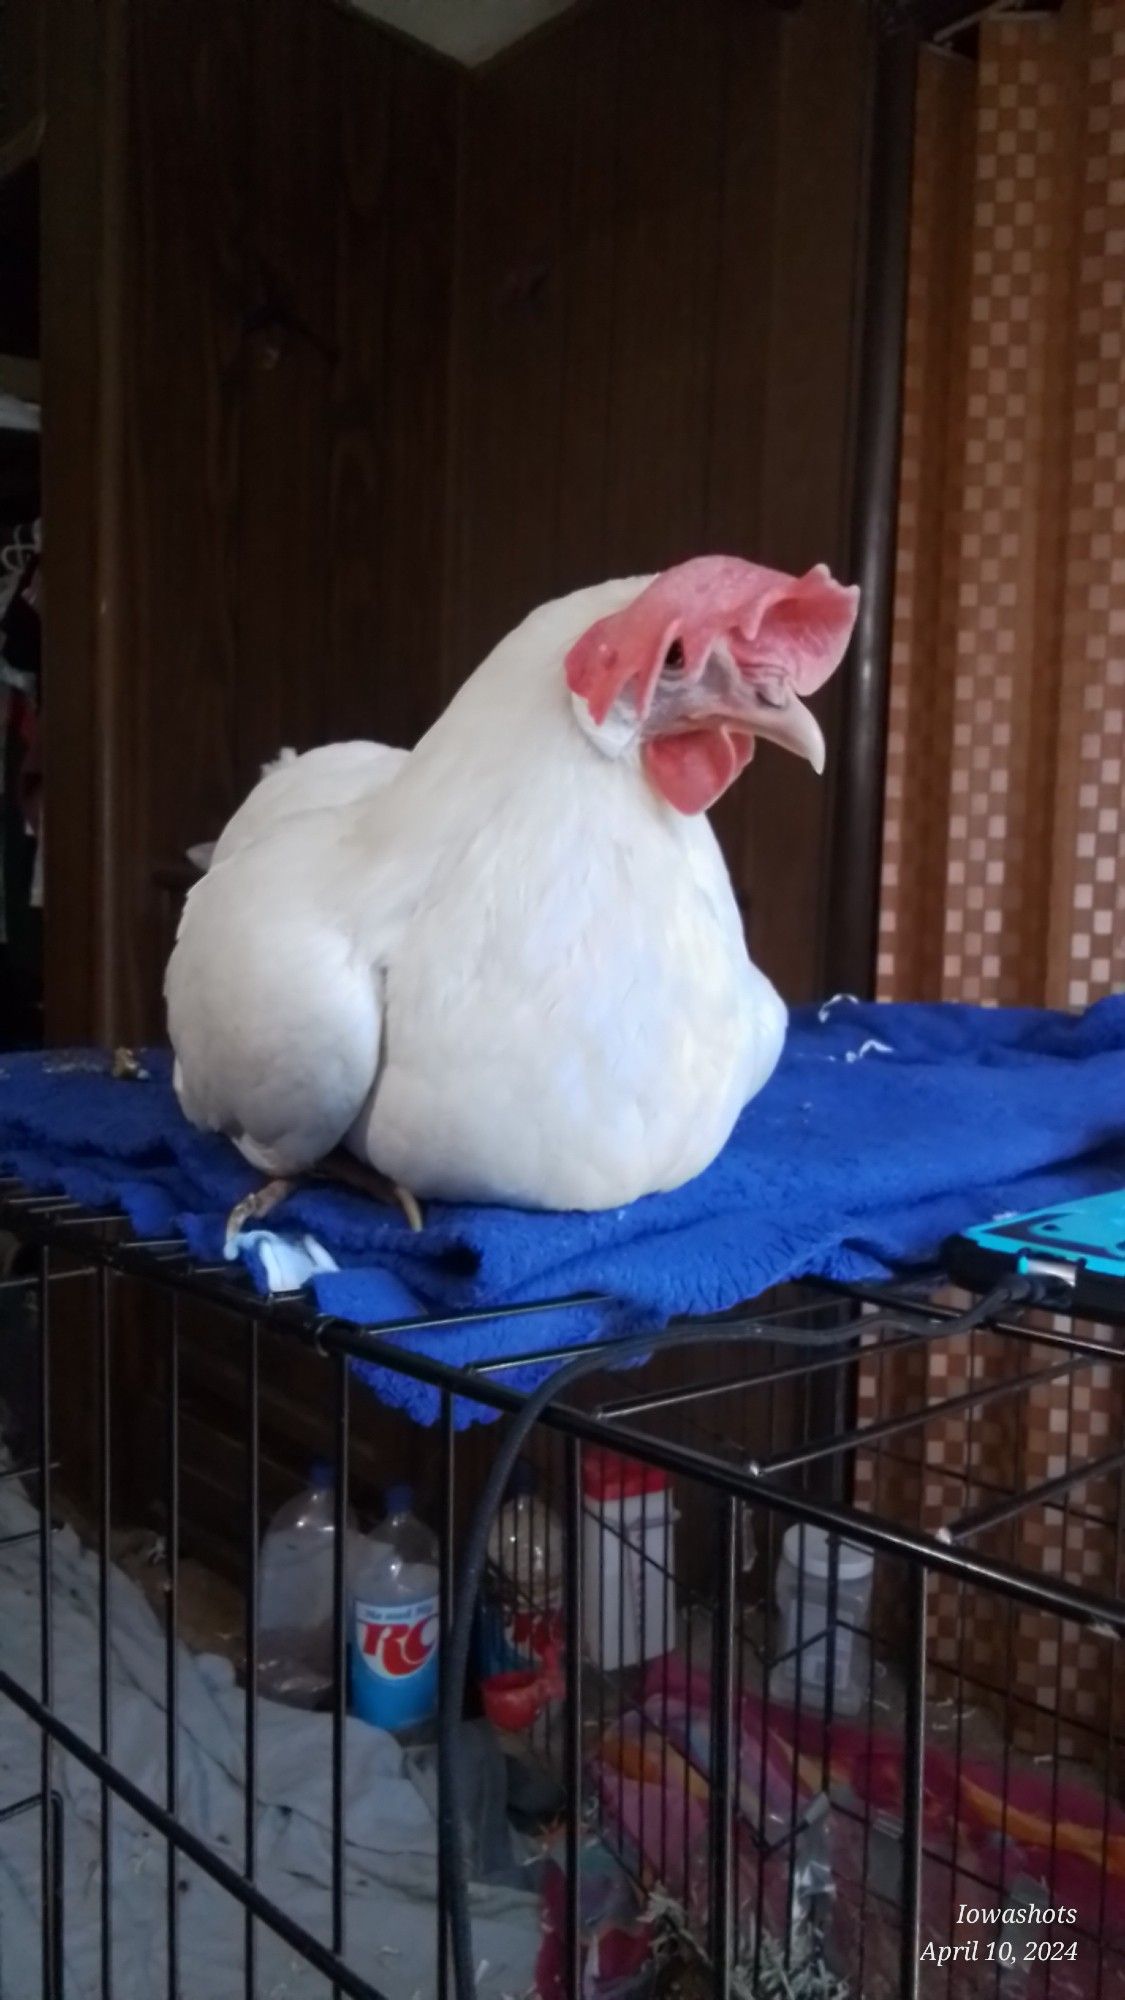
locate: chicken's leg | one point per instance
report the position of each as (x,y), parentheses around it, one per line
(346,1171)
(341,1170)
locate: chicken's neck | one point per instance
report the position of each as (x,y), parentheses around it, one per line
(508,771)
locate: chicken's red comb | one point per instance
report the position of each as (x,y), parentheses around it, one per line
(798,625)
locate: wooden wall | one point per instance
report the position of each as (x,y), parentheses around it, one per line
(400,351)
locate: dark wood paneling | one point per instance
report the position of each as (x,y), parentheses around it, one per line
(778,849)
(586,264)
(509,353)
(363,272)
(397,683)
(588,293)
(668,195)
(744,278)
(284,372)
(344,385)
(737,504)
(187,293)
(81,459)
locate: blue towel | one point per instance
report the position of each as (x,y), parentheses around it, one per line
(886,1129)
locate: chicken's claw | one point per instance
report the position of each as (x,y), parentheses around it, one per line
(254,1206)
(410,1207)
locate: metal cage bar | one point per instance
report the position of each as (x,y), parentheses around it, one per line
(725,1444)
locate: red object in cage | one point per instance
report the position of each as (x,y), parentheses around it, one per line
(516,1700)
(609,1475)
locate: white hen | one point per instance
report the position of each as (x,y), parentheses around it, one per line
(509,967)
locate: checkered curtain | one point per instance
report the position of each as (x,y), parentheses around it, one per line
(1004,846)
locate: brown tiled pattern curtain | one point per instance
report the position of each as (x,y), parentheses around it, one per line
(1004,848)
(1004,864)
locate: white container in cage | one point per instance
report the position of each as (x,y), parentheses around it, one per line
(629,1569)
(810,1561)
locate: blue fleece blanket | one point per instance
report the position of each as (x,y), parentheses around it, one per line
(885,1130)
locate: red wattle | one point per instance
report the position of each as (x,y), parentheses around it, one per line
(693,770)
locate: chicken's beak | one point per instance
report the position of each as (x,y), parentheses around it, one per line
(780,716)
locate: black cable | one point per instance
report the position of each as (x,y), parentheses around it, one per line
(1018,1290)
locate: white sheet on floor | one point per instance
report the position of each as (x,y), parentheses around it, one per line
(391,1840)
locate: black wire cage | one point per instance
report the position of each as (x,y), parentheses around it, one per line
(798,1694)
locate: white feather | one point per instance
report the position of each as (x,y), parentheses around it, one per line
(335,774)
(508,973)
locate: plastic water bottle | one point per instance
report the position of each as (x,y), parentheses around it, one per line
(810,1560)
(520,1616)
(295,1580)
(628,1540)
(395,1621)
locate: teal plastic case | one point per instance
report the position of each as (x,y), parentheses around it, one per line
(1090,1234)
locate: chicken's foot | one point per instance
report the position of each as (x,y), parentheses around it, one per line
(256,1206)
(341,1170)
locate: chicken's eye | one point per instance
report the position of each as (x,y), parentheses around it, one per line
(673,667)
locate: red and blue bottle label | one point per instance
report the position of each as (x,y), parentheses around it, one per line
(394,1662)
(514,1637)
